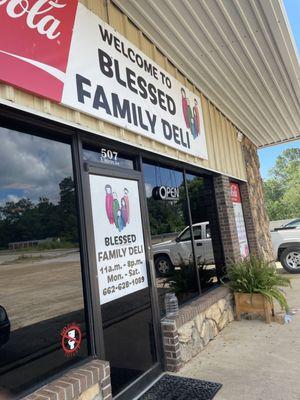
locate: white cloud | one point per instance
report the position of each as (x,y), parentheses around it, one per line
(31,166)
(13,198)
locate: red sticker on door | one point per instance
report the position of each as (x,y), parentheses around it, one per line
(71,339)
(35,40)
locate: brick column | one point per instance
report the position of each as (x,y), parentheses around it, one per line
(227,223)
(209,202)
(249,222)
(173,360)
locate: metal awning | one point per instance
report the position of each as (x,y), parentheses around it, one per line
(239,53)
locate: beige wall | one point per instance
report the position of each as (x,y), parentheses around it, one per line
(224,151)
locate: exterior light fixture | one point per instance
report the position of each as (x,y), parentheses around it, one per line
(239,136)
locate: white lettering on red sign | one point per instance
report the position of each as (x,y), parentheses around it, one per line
(35,39)
(36,18)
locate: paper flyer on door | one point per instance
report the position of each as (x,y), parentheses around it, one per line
(119,238)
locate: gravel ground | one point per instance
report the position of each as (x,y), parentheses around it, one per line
(42,288)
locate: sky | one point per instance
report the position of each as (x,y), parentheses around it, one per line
(268,155)
(32,167)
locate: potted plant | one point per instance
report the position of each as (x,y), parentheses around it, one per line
(183,281)
(256,283)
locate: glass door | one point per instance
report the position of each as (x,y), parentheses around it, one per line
(124,296)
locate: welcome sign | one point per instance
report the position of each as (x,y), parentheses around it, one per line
(62,51)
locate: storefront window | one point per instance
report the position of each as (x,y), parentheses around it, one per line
(42,317)
(106,156)
(170,232)
(208,249)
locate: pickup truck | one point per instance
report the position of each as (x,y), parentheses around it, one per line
(178,252)
(286,245)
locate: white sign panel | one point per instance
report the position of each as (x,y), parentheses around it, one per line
(111,79)
(239,219)
(119,239)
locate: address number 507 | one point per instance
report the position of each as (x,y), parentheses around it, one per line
(109,154)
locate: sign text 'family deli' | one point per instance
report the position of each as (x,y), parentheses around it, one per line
(62,51)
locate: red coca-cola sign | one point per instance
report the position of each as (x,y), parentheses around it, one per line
(35,39)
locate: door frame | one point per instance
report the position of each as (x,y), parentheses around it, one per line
(89,168)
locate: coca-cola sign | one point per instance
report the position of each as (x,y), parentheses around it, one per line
(60,50)
(35,39)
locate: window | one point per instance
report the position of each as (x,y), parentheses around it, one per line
(169,220)
(293,224)
(197,231)
(186,235)
(208,252)
(41,292)
(106,156)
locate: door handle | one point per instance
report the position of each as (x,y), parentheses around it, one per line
(199,244)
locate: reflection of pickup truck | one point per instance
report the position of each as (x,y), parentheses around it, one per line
(286,245)
(178,252)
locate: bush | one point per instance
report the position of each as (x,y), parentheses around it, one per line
(184,279)
(256,275)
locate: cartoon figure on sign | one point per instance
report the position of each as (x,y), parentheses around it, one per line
(109,204)
(191,119)
(117,214)
(196,118)
(116,208)
(126,198)
(184,104)
(191,115)
(124,213)
(121,224)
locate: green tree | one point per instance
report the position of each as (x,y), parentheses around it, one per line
(282,190)
(24,220)
(165,216)
(67,207)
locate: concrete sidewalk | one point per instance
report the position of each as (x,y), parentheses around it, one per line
(254,360)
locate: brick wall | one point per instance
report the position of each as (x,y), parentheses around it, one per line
(197,323)
(256,218)
(90,381)
(227,224)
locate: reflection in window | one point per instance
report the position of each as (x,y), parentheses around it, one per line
(169,220)
(186,235)
(40,270)
(105,156)
(208,250)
